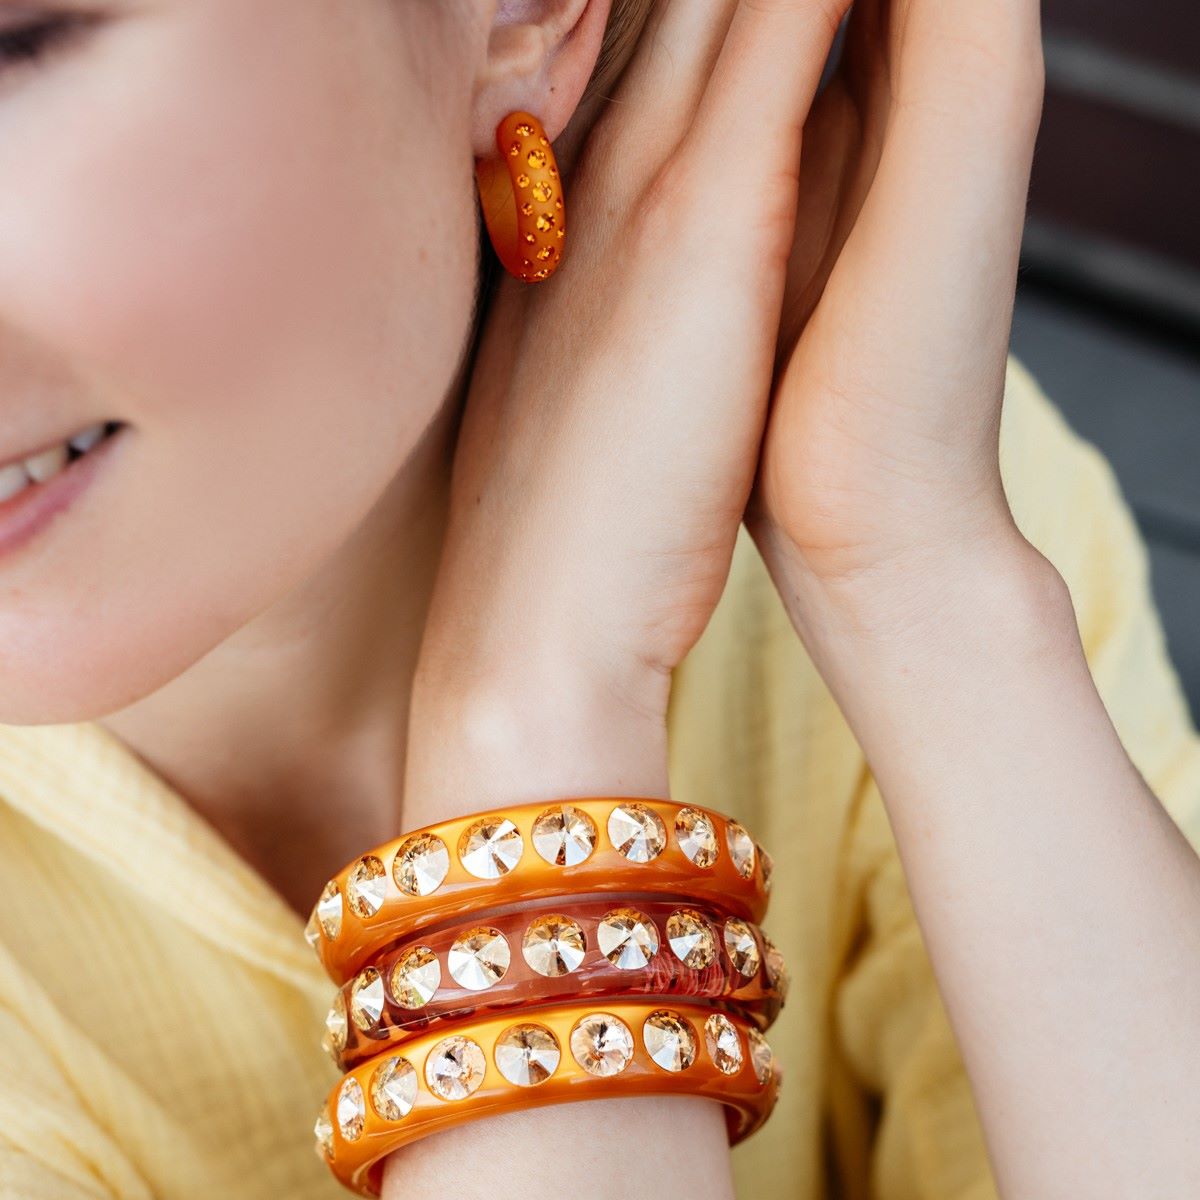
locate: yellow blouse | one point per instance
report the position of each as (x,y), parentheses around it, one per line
(160,1010)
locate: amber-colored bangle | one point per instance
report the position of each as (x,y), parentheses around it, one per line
(586,950)
(571,1052)
(529,852)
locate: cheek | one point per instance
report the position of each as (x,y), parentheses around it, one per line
(263,262)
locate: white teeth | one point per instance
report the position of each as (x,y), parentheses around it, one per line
(84,441)
(12,480)
(47,464)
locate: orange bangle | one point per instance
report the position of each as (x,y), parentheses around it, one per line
(527,852)
(586,951)
(571,1052)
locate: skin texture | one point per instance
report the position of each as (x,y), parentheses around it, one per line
(259,559)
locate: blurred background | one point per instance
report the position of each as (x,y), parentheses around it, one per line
(1108,308)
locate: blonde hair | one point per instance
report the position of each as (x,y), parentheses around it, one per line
(625,23)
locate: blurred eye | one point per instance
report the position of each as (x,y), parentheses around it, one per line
(28,44)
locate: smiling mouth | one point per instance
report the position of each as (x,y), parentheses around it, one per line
(18,474)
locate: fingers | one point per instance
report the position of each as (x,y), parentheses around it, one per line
(763,83)
(663,83)
(938,238)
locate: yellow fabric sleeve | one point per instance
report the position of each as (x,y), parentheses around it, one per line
(50,1147)
(890,1025)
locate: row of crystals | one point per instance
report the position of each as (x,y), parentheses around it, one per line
(553,945)
(563,836)
(528,1054)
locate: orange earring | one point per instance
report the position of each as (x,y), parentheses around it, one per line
(522,199)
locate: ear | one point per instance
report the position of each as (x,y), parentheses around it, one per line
(540,56)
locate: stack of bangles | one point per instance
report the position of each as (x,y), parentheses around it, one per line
(539,954)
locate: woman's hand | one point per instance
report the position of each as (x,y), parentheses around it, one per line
(609,445)
(616,411)
(880,486)
(1055,896)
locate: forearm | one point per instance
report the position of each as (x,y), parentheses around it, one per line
(1059,903)
(490,729)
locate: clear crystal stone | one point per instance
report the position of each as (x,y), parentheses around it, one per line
(554,945)
(741,849)
(627,938)
(336,1028)
(761,1055)
(312,931)
(366,887)
(742,947)
(564,835)
(692,938)
(351,1109)
(323,1134)
(329,911)
(669,1039)
(602,1044)
(366,999)
(490,847)
(416,977)
(527,1054)
(724,1043)
(778,975)
(697,836)
(421,864)
(478,958)
(637,831)
(767,865)
(394,1088)
(455,1068)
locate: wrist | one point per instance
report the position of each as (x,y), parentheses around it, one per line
(925,612)
(532,722)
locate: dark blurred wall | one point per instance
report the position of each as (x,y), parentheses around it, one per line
(1108,311)
(1115,202)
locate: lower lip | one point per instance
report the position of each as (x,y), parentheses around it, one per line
(31,510)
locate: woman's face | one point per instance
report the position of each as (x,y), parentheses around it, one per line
(246,231)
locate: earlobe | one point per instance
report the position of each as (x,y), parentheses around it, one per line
(539,59)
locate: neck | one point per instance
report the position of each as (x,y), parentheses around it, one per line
(289,737)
